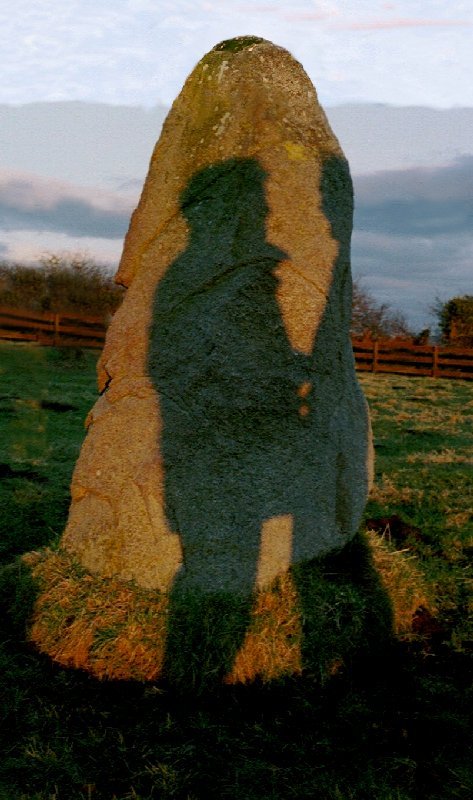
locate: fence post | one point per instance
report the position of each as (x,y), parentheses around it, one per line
(375,356)
(56,330)
(435,362)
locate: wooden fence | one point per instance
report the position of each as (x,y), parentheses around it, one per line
(395,355)
(47,328)
(404,358)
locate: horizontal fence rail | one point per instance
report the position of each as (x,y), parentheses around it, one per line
(48,328)
(404,358)
(383,355)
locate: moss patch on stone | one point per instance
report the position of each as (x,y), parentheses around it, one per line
(237,44)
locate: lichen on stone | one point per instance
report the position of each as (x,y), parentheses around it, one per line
(237,44)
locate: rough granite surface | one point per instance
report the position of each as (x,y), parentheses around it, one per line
(231,438)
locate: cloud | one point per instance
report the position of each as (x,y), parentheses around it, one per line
(298,14)
(412,235)
(29,202)
(27,247)
(307,17)
(412,232)
(417,202)
(140,51)
(389,24)
(410,273)
(257,9)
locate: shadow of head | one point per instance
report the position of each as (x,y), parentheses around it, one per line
(228,199)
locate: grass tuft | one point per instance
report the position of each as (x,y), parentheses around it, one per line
(404,582)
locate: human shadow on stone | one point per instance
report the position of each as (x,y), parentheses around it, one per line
(237,449)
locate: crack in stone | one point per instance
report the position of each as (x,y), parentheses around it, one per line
(218,279)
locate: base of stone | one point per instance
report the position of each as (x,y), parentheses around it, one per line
(314,619)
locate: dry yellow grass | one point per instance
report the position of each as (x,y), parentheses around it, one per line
(105,626)
(386,492)
(116,630)
(271,647)
(447,456)
(403,581)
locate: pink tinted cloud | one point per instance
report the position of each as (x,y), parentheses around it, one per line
(258,9)
(294,16)
(30,192)
(303,17)
(403,23)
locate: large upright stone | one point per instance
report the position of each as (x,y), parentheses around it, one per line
(231,438)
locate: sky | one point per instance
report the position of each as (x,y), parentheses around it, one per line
(139,52)
(414,192)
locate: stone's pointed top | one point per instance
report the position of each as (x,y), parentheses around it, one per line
(246,98)
(238,43)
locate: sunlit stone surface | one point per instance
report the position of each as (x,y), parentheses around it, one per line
(231,438)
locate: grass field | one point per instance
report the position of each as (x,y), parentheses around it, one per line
(394,727)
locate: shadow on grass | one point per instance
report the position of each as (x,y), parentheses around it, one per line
(66,734)
(33,513)
(390,724)
(330,612)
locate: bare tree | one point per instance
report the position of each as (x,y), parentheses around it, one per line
(371,318)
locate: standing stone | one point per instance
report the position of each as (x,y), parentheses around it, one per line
(231,438)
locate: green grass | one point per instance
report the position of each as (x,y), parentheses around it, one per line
(423,496)
(39,445)
(394,727)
